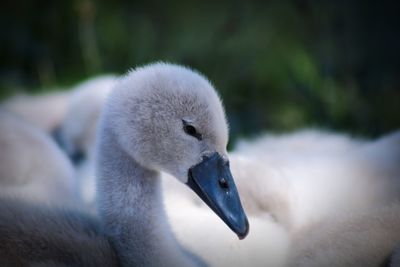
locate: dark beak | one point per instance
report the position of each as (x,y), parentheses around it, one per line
(212,180)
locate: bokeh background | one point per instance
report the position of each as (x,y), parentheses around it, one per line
(279,65)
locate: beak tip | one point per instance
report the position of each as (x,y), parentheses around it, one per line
(243,234)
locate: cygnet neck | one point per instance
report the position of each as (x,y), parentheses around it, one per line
(131,209)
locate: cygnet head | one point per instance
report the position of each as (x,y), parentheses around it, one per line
(169,118)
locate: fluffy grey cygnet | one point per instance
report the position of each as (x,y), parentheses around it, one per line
(160,117)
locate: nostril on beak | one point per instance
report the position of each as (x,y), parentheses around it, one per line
(223,183)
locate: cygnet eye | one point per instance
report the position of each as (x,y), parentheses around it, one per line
(191,130)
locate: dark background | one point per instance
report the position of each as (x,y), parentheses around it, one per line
(279,65)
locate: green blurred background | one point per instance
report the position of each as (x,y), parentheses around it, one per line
(279,65)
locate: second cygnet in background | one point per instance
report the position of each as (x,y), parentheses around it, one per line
(76,134)
(32,166)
